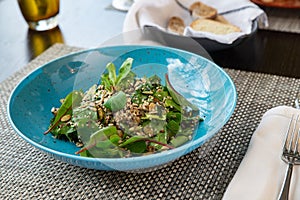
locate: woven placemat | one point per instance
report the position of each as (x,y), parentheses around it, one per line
(27,173)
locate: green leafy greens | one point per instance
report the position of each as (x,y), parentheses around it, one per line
(125,116)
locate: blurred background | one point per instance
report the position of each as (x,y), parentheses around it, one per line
(88,24)
(81,23)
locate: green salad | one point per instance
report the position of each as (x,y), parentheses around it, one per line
(125,116)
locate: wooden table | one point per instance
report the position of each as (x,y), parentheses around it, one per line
(85,24)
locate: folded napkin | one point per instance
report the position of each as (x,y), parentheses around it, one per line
(157,13)
(261,172)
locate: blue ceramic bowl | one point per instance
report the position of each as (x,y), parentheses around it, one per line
(198,79)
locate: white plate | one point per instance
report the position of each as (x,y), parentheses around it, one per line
(123,5)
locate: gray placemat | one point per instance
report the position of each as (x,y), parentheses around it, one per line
(27,173)
(285,20)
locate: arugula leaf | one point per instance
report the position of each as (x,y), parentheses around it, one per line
(112,73)
(64,131)
(105,81)
(124,70)
(112,81)
(125,83)
(72,99)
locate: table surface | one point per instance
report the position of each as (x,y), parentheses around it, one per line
(28,173)
(84,24)
(81,23)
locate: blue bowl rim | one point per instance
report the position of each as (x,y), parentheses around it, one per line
(116,160)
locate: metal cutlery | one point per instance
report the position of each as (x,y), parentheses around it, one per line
(290,155)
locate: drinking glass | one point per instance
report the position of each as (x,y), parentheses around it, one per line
(39,41)
(40,15)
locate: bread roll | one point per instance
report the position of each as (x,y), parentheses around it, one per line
(212,26)
(202,11)
(176,25)
(222,19)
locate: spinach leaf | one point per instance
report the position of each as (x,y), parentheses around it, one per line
(176,116)
(131,140)
(179,140)
(173,127)
(179,99)
(172,104)
(161,137)
(154,80)
(160,95)
(99,137)
(115,139)
(116,102)
(84,113)
(137,147)
(103,134)
(85,128)
(135,144)
(72,100)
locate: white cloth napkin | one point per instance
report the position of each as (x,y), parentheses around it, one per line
(158,12)
(261,172)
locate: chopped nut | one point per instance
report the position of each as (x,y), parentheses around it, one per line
(100,113)
(65,118)
(54,110)
(148,130)
(147,92)
(79,144)
(152,107)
